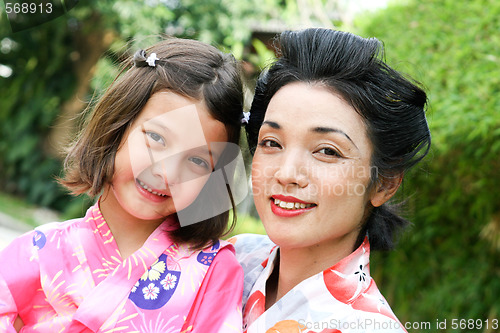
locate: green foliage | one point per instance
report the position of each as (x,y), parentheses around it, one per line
(247,224)
(29,101)
(447,266)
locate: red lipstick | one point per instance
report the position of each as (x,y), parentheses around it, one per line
(283,212)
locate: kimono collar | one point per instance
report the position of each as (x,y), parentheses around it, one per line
(356,261)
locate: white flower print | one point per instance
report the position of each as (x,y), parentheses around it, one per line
(151,291)
(169,281)
(154,272)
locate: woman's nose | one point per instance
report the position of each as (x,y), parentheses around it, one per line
(292,170)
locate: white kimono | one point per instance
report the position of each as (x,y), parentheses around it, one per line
(343,298)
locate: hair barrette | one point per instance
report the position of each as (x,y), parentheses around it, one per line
(246,118)
(140,59)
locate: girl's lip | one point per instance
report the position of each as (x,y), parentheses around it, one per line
(288,198)
(150,196)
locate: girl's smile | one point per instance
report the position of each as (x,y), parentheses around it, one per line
(150,190)
(149,193)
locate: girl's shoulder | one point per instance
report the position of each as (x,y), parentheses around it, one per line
(39,235)
(91,221)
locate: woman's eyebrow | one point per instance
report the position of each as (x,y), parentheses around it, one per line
(332,130)
(272,124)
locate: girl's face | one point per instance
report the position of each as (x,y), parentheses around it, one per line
(311,169)
(165,157)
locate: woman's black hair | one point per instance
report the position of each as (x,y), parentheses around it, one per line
(392,106)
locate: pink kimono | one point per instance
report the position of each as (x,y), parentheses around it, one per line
(70,277)
(341,299)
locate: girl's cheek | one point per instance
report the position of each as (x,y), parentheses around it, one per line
(185,193)
(139,154)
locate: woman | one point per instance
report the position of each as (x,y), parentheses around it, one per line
(333,130)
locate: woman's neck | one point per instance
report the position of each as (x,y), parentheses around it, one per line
(295,265)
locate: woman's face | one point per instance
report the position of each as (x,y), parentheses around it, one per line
(311,169)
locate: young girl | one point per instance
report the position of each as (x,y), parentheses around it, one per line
(154,146)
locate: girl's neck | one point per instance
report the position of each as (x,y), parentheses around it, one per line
(129,233)
(293,266)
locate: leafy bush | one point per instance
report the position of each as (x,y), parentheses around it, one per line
(447,266)
(29,103)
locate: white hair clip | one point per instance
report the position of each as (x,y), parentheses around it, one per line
(246,118)
(152,59)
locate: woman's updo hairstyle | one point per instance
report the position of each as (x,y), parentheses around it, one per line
(392,106)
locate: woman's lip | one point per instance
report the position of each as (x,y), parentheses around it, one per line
(288,198)
(282,212)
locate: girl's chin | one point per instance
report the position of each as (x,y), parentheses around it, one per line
(150,215)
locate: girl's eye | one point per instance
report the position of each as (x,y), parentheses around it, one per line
(156,137)
(268,143)
(330,152)
(200,162)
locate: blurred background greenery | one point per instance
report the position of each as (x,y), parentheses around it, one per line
(446,267)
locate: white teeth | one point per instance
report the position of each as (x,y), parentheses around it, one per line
(291,205)
(147,188)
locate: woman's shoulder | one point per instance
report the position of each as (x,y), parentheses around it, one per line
(252,247)
(252,253)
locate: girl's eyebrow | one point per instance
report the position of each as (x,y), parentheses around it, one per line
(322,129)
(157,122)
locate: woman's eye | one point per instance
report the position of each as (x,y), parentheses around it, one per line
(269,144)
(329,152)
(200,162)
(156,137)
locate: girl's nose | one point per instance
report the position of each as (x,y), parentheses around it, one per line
(167,171)
(292,170)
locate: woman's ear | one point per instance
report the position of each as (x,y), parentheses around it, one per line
(384,190)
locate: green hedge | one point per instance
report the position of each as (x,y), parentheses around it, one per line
(447,265)
(30,98)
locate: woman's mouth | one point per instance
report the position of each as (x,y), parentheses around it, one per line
(292,205)
(287,206)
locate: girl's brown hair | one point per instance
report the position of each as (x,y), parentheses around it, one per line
(187,67)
